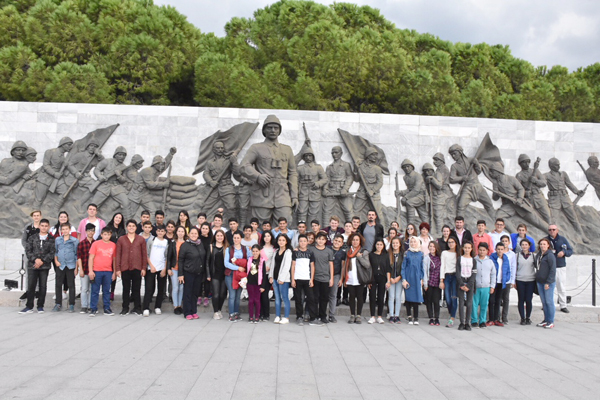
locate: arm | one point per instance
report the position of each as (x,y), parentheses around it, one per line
(293,177)
(493,277)
(312,274)
(454,177)
(349,178)
(570,184)
(323,178)
(293,273)
(228,263)
(331,273)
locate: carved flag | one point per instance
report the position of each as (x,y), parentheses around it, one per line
(99,135)
(488,153)
(357,145)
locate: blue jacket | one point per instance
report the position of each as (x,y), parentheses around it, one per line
(560,243)
(66,252)
(413,272)
(514,238)
(505,278)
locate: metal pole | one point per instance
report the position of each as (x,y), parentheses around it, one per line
(22,272)
(594,282)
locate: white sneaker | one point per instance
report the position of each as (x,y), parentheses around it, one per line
(380,320)
(146,313)
(410,322)
(216,316)
(54,297)
(284,321)
(157,311)
(277,320)
(371,320)
(416,322)
(220,314)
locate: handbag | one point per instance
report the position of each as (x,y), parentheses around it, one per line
(364,271)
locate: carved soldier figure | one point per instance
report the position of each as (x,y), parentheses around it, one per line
(434,183)
(217,176)
(79,166)
(271,168)
(442,174)
(370,176)
(413,197)
(131,172)
(15,167)
(593,174)
(472,190)
(311,180)
(340,178)
(558,197)
(533,181)
(109,173)
(52,168)
(148,179)
(513,201)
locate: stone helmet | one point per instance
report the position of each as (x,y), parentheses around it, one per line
(157,160)
(592,159)
(496,166)
(65,140)
(523,157)
(407,162)
(120,149)
(553,161)
(136,159)
(455,147)
(30,150)
(439,156)
(428,166)
(19,144)
(271,119)
(370,150)
(308,150)
(93,142)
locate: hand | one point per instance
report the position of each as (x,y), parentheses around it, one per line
(113,277)
(314,186)
(152,269)
(166,183)
(546,286)
(81,274)
(92,275)
(208,279)
(340,283)
(280,282)
(580,193)
(359,254)
(264,180)
(491,290)
(173,150)
(271,281)
(170,272)
(57,264)
(212,184)
(519,201)
(294,203)
(38,263)
(163,273)
(560,254)
(331,282)
(143,273)
(405,285)
(242,269)
(220,210)
(119,274)
(75,271)
(181,281)
(397,193)
(442,286)
(344,192)
(514,285)
(293,283)
(78,175)
(387,285)
(307,142)
(311,283)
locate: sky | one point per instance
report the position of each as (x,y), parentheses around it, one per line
(543,32)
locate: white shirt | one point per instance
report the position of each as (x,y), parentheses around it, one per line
(496,239)
(352,276)
(499,273)
(157,253)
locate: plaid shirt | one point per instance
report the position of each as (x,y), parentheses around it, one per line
(83,253)
(434,271)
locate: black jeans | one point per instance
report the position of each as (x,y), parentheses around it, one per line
(132,284)
(432,302)
(62,275)
(150,282)
(35,276)
(219,291)
(499,297)
(191,288)
(302,287)
(525,292)
(264,303)
(377,295)
(355,296)
(412,309)
(320,299)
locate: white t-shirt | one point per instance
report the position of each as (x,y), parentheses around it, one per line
(499,275)
(352,276)
(157,253)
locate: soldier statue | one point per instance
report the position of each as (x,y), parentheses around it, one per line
(78,170)
(533,181)
(438,195)
(148,179)
(558,198)
(413,197)
(311,180)
(465,172)
(131,172)
(340,178)
(109,173)
(593,174)
(442,174)
(217,176)
(16,167)
(51,170)
(370,176)
(271,168)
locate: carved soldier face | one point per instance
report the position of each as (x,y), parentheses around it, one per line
(138,165)
(31,158)
(92,147)
(372,158)
(308,158)
(408,169)
(218,149)
(494,174)
(428,172)
(437,162)
(593,162)
(67,147)
(19,153)
(160,166)
(555,166)
(455,155)
(271,131)
(120,157)
(525,164)
(336,153)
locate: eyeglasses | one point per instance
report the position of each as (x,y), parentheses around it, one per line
(552,229)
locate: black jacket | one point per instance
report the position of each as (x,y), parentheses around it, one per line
(470,281)
(378,230)
(467,236)
(216,252)
(546,273)
(42,249)
(193,259)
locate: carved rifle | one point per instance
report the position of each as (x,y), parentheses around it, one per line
(108,176)
(579,196)
(525,204)
(398,203)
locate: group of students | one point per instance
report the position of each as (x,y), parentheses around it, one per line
(324,267)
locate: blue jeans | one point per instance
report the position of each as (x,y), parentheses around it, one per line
(85,291)
(282,292)
(547,297)
(450,293)
(177,293)
(395,297)
(234,295)
(102,280)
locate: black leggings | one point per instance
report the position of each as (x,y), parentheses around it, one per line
(432,302)
(377,295)
(525,292)
(412,309)
(264,303)
(219,291)
(355,295)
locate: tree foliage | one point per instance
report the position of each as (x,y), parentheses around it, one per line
(291,55)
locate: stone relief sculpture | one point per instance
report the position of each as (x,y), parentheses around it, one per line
(370,178)
(337,191)
(311,180)
(217,176)
(414,198)
(592,174)
(533,181)
(111,182)
(16,167)
(49,177)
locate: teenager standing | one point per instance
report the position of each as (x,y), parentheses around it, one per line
(279,277)
(192,263)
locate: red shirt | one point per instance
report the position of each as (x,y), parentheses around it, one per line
(104,254)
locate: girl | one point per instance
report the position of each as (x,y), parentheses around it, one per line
(257,283)
(515,239)
(546,281)
(184,220)
(380,263)
(412,279)
(279,277)
(117,224)
(394,276)
(433,293)
(236,258)
(448,277)
(170,235)
(347,231)
(311,238)
(206,287)
(425,237)
(392,233)
(443,241)
(466,269)
(217,271)
(411,230)
(526,262)
(267,249)
(192,263)
(173,268)
(350,277)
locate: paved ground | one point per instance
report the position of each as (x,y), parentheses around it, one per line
(64,356)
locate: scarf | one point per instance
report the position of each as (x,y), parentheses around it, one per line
(349,255)
(196,242)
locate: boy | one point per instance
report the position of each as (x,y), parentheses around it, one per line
(247,239)
(323,278)
(266,226)
(83,257)
(301,231)
(481,236)
(65,259)
(102,271)
(498,232)
(144,217)
(333,229)
(147,231)
(159,218)
(502,289)
(200,218)
(132,259)
(303,273)
(233,228)
(485,283)
(254,224)
(339,256)
(157,259)
(315,226)
(40,252)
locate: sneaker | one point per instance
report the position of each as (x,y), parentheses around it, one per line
(195,316)
(398,320)
(410,322)
(461,327)
(489,323)
(136,312)
(157,311)
(255,321)
(300,321)
(199,302)
(265,318)
(284,321)
(416,322)
(324,321)
(124,312)
(482,325)
(505,321)
(26,310)
(277,320)
(71,308)
(332,320)
(565,310)
(237,317)
(250,320)
(371,320)
(431,322)
(450,323)
(57,308)
(527,321)
(146,313)
(306,318)
(315,322)
(549,326)
(523,321)
(542,324)
(40,310)
(380,320)
(220,314)
(93,313)
(345,302)
(498,323)
(352,319)
(108,311)
(467,327)
(358,320)
(179,311)
(189,317)
(231,318)
(437,322)
(84,310)
(216,316)
(206,302)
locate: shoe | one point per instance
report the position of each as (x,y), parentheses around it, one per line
(315,322)
(266,318)
(549,326)
(189,317)
(146,313)
(324,321)
(505,321)
(277,320)
(306,318)
(255,321)
(272,299)
(57,308)
(108,311)
(523,321)
(482,325)
(358,320)
(93,313)
(237,317)
(250,320)
(157,311)
(338,302)
(78,296)
(450,323)
(371,320)
(527,321)
(206,302)
(216,316)
(467,327)
(565,310)
(124,312)
(489,323)
(26,310)
(409,317)
(23,296)
(220,314)
(179,311)
(284,321)
(410,322)
(542,324)
(245,300)
(40,310)
(231,318)
(398,321)
(352,319)
(345,302)
(136,312)
(431,322)
(437,322)
(332,320)
(498,323)
(195,316)
(461,327)
(71,308)
(300,321)
(261,319)
(199,301)
(416,322)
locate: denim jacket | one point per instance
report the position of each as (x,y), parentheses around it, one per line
(66,252)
